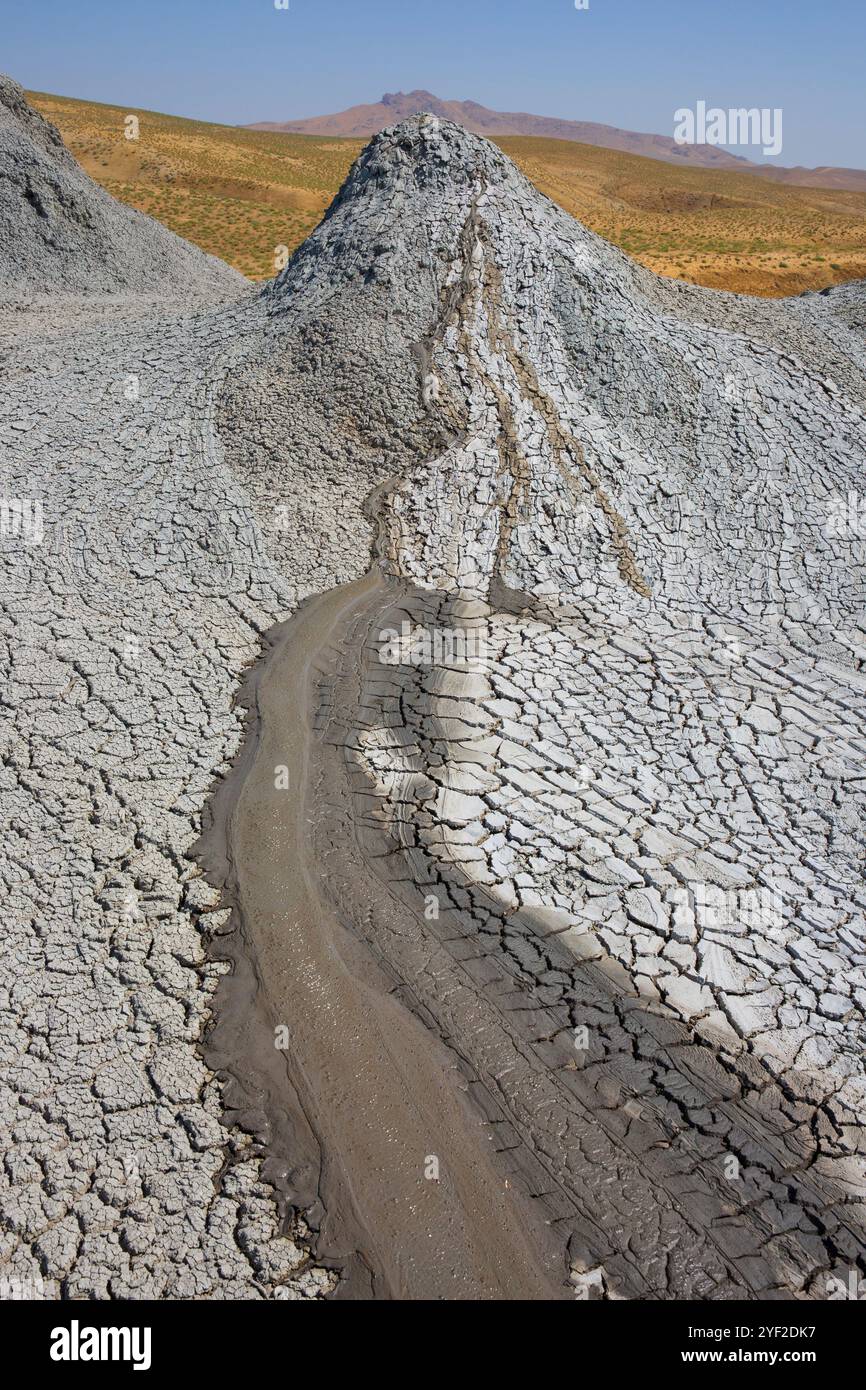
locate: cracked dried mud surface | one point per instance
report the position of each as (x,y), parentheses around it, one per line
(534,837)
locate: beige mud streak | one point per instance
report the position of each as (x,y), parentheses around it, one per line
(380,1092)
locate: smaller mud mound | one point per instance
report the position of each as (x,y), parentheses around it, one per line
(60,232)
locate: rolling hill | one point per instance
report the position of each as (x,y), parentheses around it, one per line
(239,193)
(362,122)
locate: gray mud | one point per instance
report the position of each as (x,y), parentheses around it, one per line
(365,1096)
(639,826)
(412,1037)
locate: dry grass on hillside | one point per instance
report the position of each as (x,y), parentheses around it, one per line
(239,194)
(726,230)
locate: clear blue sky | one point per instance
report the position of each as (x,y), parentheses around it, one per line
(630,63)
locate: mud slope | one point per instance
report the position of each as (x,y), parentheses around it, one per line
(601,737)
(59,231)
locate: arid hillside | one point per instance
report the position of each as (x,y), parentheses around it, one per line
(240,194)
(714,227)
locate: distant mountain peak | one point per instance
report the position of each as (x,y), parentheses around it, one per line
(398,98)
(362,122)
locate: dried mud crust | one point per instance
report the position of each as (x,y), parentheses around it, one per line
(629,483)
(633,502)
(125,632)
(624,1145)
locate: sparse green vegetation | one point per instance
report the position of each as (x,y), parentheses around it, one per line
(718,228)
(239,194)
